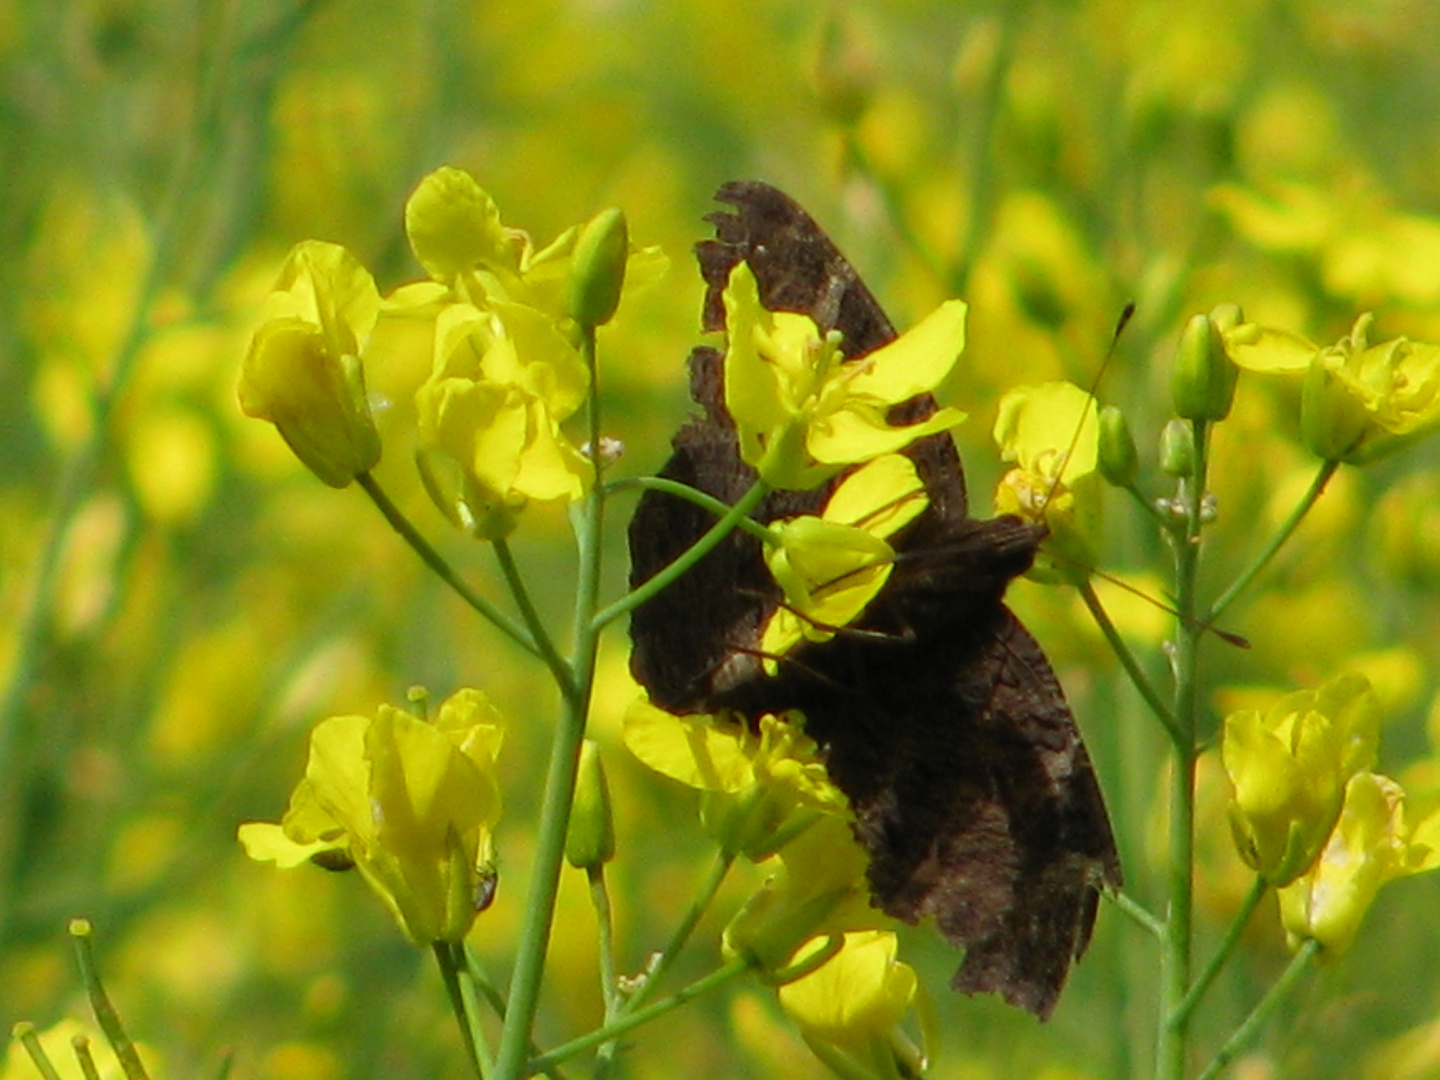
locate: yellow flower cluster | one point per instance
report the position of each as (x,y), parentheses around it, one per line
(507,370)
(804,412)
(1360,402)
(1309,815)
(411,804)
(767,794)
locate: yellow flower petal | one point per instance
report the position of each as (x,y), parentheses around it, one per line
(701,751)
(453,225)
(918,360)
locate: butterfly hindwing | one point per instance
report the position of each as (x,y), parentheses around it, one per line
(944,725)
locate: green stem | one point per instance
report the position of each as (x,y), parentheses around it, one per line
(681,935)
(698,550)
(665,959)
(451,961)
(1297,515)
(24,1031)
(442,569)
(105,1013)
(1253,1024)
(485,987)
(708,502)
(1176,946)
(1140,915)
(631,1020)
(605,929)
(1127,660)
(76,478)
(983,165)
(534,941)
(1232,938)
(88,1069)
(563,672)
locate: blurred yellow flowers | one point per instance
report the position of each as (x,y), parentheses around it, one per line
(803,411)
(411,803)
(832,566)
(303,371)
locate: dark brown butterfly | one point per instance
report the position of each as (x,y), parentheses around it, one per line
(939,716)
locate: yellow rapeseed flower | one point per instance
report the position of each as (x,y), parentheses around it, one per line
(1051,432)
(1289,768)
(760,787)
(504,381)
(1361,402)
(803,411)
(832,566)
(1372,844)
(412,804)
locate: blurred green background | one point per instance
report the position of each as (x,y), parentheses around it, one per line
(180,601)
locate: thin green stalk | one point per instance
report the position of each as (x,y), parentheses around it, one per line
(698,550)
(605,930)
(1127,659)
(844,1064)
(24,1033)
(451,961)
(1297,515)
(699,498)
(88,1069)
(484,984)
(983,165)
(105,1014)
(525,982)
(485,987)
(1253,1024)
(665,959)
(1227,945)
(632,1020)
(442,569)
(563,672)
(680,937)
(1176,946)
(1142,916)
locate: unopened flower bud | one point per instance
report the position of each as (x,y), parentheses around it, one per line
(1203,382)
(1115,451)
(303,371)
(1177,448)
(598,268)
(590,841)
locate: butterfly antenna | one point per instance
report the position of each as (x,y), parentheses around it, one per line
(1126,314)
(1227,636)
